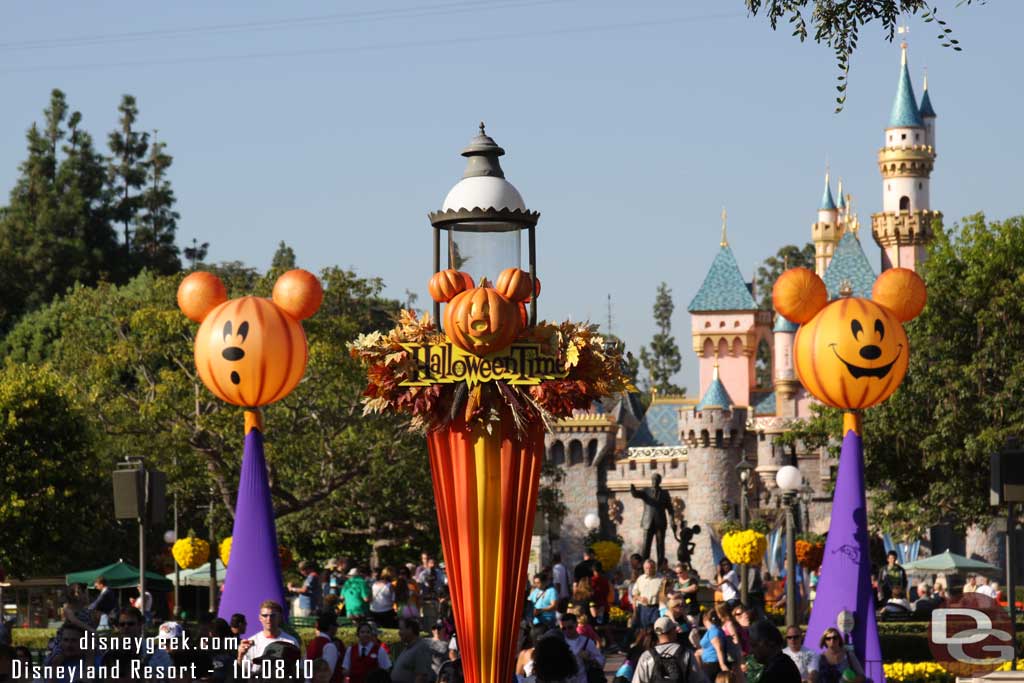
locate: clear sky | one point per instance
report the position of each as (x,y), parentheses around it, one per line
(337,127)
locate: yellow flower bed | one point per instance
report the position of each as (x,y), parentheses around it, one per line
(923,672)
(745,547)
(225,551)
(617,615)
(190,552)
(608,553)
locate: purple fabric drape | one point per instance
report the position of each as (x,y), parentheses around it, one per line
(845,582)
(254,570)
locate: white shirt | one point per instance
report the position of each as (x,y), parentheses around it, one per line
(728,588)
(560,577)
(149,603)
(578,646)
(383,597)
(806,661)
(987,590)
(260,642)
(382,656)
(329,653)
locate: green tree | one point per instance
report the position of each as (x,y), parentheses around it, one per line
(661,358)
(838,23)
(789,256)
(196,253)
(127,172)
(927,448)
(153,246)
(284,258)
(49,476)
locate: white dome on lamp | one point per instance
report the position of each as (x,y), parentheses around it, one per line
(789,479)
(591,521)
(484,192)
(170,537)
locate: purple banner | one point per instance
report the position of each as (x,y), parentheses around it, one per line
(845,582)
(254,569)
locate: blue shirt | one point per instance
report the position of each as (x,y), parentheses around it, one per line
(310,600)
(708,653)
(543,598)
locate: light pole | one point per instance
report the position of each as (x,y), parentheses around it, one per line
(744,468)
(789,480)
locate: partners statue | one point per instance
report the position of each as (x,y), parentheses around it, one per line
(686,544)
(657,504)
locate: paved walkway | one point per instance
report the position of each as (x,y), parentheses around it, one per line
(612,663)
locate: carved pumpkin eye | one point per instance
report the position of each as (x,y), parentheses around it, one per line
(856,328)
(880,330)
(243,330)
(227,330)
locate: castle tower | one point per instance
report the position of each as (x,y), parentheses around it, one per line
(827,230)
(841,202)
(904,226)
(787,386)
(713,432)
(727,326)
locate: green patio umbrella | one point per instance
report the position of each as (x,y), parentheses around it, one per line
(951,563)
(120,575)
(200,576)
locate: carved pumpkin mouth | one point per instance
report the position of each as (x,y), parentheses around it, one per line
(480,326)
(235,379)
(857,371)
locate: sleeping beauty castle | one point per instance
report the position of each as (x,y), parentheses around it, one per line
(749,394)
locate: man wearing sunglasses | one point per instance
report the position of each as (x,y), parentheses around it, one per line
(271,614)
(130,624)
(805,658)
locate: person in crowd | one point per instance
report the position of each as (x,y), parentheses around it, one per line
(601,590)
(584,628)
(364,656)
(713,646)
(584,649)
(585,568)
(643,640)
(24,655)
(144,605)
(334,578)
(321,671)
(414,664)
(553,661)
(356,595)
(271,616)
(805,658)
(544,599)
(425,564)
(668,659)
(325,644)
(407,594)
(559,576)
(648,595)
(438,644)
(727,582)
(927,600)
(985,588)
(239,627)
(835,659)
(971,584)
(310,592)
(6,662)
(677,613)
(131,624)
(897,603)
(524,660)
(74,611)
(766,646)
(106,601)
(891,576)
(71,653)
(382,600)
(741,619)
(222,661)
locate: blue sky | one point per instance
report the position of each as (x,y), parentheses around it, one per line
(337,127)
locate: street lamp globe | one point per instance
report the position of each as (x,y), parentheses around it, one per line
(789,479)
(170,537)
(591,521)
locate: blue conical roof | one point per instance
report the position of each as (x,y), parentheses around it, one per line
(841,204)
(904,107)
(849,265)
(827,204)
(926,105)
(724,288)
(716,395)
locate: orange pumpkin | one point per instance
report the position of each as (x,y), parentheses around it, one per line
(446,284)
(902,291)
(252,351)
(853,354)
(799,294)
(514,284)
(199,293)
(481,321)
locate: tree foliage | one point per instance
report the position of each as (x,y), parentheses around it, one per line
(838,23)
(927,448)
(789,256)
(661,358)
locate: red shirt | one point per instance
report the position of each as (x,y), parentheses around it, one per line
(602,589)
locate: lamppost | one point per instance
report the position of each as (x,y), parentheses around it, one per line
(789,480)
(744,468)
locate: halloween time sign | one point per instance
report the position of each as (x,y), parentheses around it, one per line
(518,363)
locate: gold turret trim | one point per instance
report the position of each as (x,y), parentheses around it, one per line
(904,227)
(906,162)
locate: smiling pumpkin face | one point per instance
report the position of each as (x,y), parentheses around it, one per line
(482,321)
(852,355)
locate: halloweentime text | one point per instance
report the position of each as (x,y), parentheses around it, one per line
(446,364)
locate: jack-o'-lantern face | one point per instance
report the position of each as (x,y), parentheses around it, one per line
(482,321)
(250,351)
(851,353)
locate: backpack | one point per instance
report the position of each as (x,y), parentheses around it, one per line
(671,668)
(450,672)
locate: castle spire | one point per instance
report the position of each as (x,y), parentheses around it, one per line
(841,204)
(725,240)
(904,108)
(926,109)
(827,203)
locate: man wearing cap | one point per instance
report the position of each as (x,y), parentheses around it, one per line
(356,595)
(670,655)
(325,646)
(271,614)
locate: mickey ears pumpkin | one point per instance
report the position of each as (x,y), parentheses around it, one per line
(799,294)
(298,293)
(902,291)
(199,293)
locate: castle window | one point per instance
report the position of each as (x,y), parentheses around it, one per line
(591,451)
(920,186)
(890,138)
(707,324)
(904,203)
(705,438)
(557,453)
(916,137)
(719,438)
(903,136)
(575,453)
(721,324)
(736,323)
(674,464)
(889,187)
